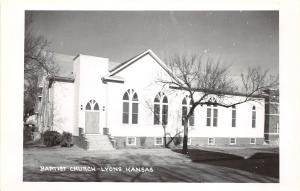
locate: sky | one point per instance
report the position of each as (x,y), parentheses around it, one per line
(241,38)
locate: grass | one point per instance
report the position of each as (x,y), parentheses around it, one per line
(261,161)
(168,166)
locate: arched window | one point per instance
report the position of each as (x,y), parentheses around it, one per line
(253,117)
(160,109)
(130,107)
(156,110)
(185,109)
(233,116)
(92,105)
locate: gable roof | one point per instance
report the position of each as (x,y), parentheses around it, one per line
(65,63)
(112,74)
(125,62)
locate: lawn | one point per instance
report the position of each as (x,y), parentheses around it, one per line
(258,160)
(131,165)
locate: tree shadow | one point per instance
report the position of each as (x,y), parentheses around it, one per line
(262,163)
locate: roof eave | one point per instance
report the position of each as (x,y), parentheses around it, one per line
(225,93)
(52,79)
(109,79)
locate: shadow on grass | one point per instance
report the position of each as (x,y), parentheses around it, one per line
(262,163)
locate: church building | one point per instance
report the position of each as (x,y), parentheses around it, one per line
(107,105)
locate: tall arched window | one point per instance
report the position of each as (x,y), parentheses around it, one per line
(92,105)
(130,107)
(185,109)
(253,117)
(160,109)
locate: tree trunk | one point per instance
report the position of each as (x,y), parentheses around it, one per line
(165,136)
(185,137)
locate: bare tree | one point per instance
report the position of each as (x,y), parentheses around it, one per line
(213,82)
(38,62)
(171,137)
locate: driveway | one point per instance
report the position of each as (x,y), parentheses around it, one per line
(130,165)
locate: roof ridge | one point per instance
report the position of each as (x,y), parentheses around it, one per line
(128,60)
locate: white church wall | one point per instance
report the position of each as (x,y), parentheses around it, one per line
(90,86)
(224,127)
(63,106)
(76,109)
(142,77)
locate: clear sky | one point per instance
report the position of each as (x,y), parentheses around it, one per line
(241,38)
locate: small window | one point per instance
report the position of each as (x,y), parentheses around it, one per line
(156,99)
(96,107)
(135,97)
(88,106)
(158,141)
(165,100)
(40,98)
(131,141)
(211,141)
(232,141)
(252,140)
(125,96)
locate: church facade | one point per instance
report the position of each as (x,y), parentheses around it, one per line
(109,105)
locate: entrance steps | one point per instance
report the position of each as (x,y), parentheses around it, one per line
(98,142)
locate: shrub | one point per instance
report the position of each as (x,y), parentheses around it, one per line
(67,139)
(52,138)
(177,140)
(35,129)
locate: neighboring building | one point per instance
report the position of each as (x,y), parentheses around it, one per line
(272,117)
(103,103)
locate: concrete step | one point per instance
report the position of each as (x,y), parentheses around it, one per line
(98,142)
